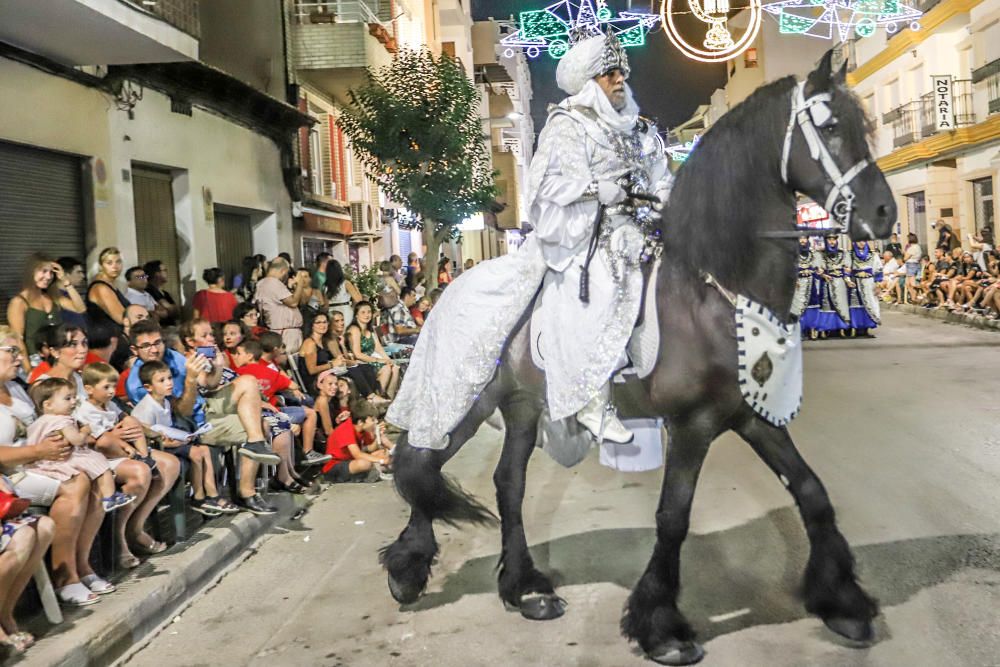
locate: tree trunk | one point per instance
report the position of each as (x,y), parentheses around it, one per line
(433,241)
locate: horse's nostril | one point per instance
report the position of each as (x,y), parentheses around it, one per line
(882,211)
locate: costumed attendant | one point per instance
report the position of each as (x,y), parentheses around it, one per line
(594,151)
(804,285)
(866,274)
(830,290)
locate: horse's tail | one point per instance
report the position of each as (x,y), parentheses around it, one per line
(419,480)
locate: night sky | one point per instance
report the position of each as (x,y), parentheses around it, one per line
(667,85)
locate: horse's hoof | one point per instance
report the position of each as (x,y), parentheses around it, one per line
(675,652)
(851,628)
(402,593)
(541,606)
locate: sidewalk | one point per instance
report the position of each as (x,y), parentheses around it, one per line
(968,319)
(153,592)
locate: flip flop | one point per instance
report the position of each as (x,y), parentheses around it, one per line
(129,562)
(76,595)
(97,584)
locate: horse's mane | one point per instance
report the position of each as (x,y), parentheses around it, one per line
(730,183)
(726,184)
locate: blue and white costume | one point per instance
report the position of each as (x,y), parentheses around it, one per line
(828,304)
(804,281)
(866,273)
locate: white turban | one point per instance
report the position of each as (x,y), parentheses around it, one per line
(582,62)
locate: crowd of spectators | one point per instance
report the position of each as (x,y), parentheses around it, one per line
(112,395)
(948,277)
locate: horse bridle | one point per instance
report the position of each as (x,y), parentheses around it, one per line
(808,115)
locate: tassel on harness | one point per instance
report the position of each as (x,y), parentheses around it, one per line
(591,251)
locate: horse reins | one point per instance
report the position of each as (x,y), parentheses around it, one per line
(807,114)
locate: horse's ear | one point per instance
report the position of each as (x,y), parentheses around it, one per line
(821,78)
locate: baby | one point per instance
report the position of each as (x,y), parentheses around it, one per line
(55,398)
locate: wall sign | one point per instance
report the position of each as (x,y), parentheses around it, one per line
(944,116)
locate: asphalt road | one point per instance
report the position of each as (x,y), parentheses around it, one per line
(902,429)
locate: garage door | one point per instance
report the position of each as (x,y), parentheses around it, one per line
(41,210)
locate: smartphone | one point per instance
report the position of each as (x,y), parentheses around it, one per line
(206,351)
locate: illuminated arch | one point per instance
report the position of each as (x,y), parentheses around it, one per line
(709,55)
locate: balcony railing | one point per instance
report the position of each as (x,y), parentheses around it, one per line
(342,11)
(905,127)
(182,14)
(961,106)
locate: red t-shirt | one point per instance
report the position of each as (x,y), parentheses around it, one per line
(269,380)
(215,306)
(120,390)
(38,371)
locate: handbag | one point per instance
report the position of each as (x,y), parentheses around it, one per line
(12,505)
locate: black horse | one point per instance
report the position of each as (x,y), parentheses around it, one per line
(731,215)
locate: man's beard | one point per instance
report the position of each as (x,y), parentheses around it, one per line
(618,101)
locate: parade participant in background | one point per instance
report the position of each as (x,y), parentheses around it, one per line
(866,273)
(829,294)
(803,286)
(594,151)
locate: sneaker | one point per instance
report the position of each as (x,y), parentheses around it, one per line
(314,458)
(204,507)
(116,501)
(260,452)
(256,505)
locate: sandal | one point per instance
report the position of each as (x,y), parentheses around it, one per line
(76,595)
(128,562)
(21,640)
(222,505)
(151,550)
(98,584)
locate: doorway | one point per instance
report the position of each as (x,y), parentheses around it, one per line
(233,242)
(155,229)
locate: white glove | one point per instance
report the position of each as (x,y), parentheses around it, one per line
(609,193)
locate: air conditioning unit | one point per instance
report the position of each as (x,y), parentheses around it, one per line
(358,218)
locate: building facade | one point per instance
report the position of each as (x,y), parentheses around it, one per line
(934,96)
(128,136)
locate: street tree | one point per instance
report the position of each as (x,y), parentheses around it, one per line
(416,128)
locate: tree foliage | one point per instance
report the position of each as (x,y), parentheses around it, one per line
(415,126)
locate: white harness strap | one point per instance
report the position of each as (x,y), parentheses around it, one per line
(806,113)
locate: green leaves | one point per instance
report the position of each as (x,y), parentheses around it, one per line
(415,127)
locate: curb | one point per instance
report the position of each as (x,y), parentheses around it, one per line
(967,319)
(147,597)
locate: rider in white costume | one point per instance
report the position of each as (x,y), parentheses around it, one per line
(594,154)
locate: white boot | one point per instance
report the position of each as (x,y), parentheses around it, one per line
(598,418)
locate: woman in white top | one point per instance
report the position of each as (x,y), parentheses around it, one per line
(65,349)
(74,505)
(342,293)
(912,256)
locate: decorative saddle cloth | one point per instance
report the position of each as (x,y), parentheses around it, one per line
(770,362)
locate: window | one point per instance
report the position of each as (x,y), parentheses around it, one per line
(316,162)
(982,202)
(313,246)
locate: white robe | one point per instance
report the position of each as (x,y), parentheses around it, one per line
(582,344)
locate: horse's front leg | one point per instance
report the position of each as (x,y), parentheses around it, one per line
(830,586)
(520,584)
(651,615)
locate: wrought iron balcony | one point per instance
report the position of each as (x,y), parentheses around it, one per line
(905,128)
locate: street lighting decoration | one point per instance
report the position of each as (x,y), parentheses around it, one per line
(718,43)
(837,19)
(548,30)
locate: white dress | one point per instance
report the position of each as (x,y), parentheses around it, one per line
(341,303)
(582,345)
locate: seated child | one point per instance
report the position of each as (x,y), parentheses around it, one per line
(101,414)
(251,359)
(355,451)
(55,399)
(154,410)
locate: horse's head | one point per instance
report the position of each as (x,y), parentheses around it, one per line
(827,157)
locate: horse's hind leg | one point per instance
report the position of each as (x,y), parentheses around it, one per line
(830,586)
(520,584)
(651,615)
(431,495)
